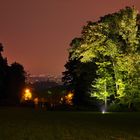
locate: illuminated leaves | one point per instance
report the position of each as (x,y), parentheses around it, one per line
(112,44)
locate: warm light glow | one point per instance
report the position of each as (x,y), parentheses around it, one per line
(36,100)
(27,90)
(70,95)
(27,94)
(69,98)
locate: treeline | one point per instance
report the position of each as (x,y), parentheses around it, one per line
(104,62)
(12,81)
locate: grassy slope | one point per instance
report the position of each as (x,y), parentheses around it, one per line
(27,124)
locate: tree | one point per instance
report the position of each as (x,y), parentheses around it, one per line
(112,45)
(17,76)
(78,76)
(103,87)
(12,80)
(131,82)
(3,75)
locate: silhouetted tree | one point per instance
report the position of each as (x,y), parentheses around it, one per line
(12,80)
(3,75)
(17,77)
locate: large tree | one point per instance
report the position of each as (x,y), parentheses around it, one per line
(12,80)
(112,44)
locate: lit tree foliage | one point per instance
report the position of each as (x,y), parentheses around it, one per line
(112,44)
(102,87)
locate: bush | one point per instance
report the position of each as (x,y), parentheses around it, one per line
(137,106)
(117,108)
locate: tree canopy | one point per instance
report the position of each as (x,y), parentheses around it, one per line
(12,80)
(112,46)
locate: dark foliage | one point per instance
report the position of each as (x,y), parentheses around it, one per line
(12,81)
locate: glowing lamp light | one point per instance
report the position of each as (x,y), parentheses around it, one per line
(27,94)
(27,90)
(70,95)
(69,98)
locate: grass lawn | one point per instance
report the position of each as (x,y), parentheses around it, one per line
(28,124)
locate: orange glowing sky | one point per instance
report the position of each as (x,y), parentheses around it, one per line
(37,33)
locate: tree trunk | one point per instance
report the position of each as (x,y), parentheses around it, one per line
(105,103)
(105,97)
(129,106)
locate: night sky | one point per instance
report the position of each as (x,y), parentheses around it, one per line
(37,33)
